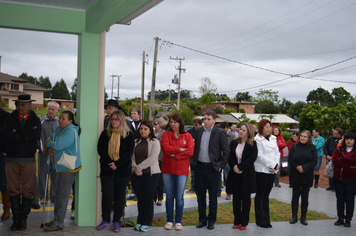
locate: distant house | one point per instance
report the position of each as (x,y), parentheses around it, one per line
(249,107)
(276,121)
(11,87)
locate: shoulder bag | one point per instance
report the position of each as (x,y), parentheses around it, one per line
(69,160)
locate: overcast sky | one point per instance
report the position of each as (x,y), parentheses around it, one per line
(250,43)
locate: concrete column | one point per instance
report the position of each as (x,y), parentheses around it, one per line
(87,110)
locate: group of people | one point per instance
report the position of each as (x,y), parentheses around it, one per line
(23,134)
(153,156)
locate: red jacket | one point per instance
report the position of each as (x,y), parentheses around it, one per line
(290,144)
(179,164)
(281,144)
(345,164)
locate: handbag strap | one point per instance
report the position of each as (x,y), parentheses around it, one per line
(76,143)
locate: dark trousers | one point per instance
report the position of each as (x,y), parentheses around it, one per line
(264,184)
(241,204)
(145,187)
(113,189)
(206,178)
(345,197)
(301,190)
(159,192)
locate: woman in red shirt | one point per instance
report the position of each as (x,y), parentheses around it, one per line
(177,146)
(344,160)
(281,145)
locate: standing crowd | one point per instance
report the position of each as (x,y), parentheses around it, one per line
(151,158)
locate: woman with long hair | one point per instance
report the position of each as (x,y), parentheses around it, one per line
(64,139)
(160,125)
(177,146)
(115,148)
(318,141)
(301,161)
(266,165)
(281,145)
(344,160)
(293,140)
(242,177)
(145,174)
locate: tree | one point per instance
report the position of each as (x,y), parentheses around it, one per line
(284,106)
(60,90)
(306,120)
(207,86)
(267,94)
(321,97)
(187,114)
(218,110)
(73,94)
(341,96)
(163,95)
(266,106)
(31,79)
(295,109)
(45,82)
(243,97)
(206,99)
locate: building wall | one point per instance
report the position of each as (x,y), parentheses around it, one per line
(248,108)
(36,95)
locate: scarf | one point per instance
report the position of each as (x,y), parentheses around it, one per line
(23,121)
(114,145)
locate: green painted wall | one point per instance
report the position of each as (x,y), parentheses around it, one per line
(87,100)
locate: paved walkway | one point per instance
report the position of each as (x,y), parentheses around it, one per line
(319,200)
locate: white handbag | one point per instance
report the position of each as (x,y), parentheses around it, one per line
(69,160)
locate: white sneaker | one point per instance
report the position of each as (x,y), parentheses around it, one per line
(72,215)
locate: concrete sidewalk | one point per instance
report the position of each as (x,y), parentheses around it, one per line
(319,200)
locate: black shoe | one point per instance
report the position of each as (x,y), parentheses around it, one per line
(339,222)
(35,206)
(278,185)
(328,189)
(291,186)
(347,223)
(303,221)
(22,224)
(316,186)
(211,226)
(293,220)
(201,225)
(262,226)
(130,197)
(269,225)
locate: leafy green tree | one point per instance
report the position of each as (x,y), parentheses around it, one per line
(60,90)
(73,94)
(163,95)
(284,106)
(218,110)
(45,82)
(223,98)
(307,117)
(228,111)
(267,94)
(341,96)
(31,79)
(206,99)
(295,109)
(266,106)
(321,97)
(243,97)
(194,106)
(207,86)
(187,114)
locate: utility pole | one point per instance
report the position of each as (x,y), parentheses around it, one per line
(180,72)
(169,95)
(153,81)
(118,87)
(143,81)
(112,85)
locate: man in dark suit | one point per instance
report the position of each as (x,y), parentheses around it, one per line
(210,157)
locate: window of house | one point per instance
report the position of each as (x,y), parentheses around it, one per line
(15,87)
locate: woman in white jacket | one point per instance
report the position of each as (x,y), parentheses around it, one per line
(266,166)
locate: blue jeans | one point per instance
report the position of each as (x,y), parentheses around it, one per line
(174,185)
(206,178)
(345,197)
(64,182)
(331,181)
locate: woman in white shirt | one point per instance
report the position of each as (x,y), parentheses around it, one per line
(266,166)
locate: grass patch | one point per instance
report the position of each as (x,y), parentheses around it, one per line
(279,211)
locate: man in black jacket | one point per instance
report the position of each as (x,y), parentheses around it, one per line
(210,157)
(329,147)
(21,132)
(3,182)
